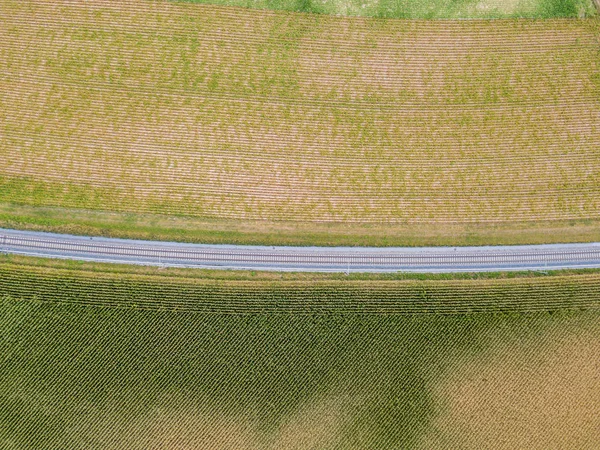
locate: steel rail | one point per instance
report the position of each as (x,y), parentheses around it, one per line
(313,259)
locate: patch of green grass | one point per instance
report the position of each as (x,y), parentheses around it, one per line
(429,9)
(215,231)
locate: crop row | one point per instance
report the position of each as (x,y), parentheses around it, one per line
(310,151)
(384,144)
(75,36)
(167,165)
(258,186)
(273,204)
(471,39)
(197,295)
(96,103)
(473,104)
(363,184)
(317,209)
(497,47)
(342,124)
(161,158)
(243,68)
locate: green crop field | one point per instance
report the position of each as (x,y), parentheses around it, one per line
(426,9)
(275,127)
(103,357)
(240,293)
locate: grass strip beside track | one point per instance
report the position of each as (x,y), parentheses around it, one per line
(244,232)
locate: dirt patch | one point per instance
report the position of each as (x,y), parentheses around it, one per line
(320,424)
(192,431)
(536,395)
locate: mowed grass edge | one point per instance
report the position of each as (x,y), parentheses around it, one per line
(245,232)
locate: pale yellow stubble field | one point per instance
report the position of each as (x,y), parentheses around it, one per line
(229,114)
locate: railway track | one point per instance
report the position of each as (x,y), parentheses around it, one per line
(311,259)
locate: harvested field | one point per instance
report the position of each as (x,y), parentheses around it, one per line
(226,114)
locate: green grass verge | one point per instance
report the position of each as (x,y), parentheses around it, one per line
(244,232)
(217,363)
(430,9)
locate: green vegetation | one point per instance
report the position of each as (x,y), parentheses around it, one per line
(429,9)
(168,120)
(240,293)
(230,231)
(245,126)
(92,357)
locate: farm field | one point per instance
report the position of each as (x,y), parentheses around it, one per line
(271,127)
(206,291)
(429,9)
(105,357)
(204,123)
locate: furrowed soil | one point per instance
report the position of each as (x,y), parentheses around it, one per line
(286,122)
(117,374)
